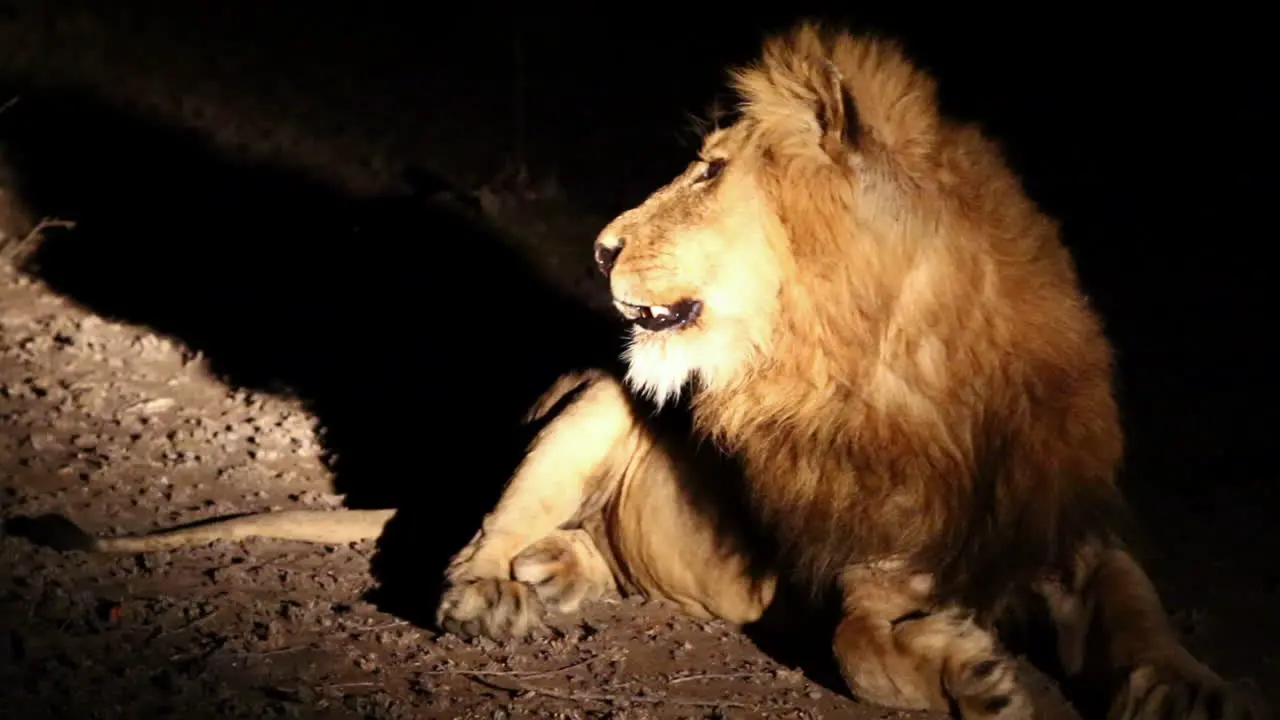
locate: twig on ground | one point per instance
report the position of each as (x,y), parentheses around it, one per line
(9,103)
(515,673)
(277,651)
(193,624)
(197,654)
(14,250)
(716,676)
(48,224)
(608,698)
(379,626)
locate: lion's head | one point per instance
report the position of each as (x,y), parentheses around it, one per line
(814,178)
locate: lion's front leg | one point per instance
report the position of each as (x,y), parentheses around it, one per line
(895,650)
(522,558)
(565,569)
(1150,674)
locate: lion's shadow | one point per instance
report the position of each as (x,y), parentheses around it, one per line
(413,330)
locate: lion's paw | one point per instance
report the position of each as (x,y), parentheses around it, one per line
(988,688)
(558,571)
(491,607)
(979,677)
(1157,693)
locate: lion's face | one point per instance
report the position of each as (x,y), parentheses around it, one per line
(695,269)
(793,216)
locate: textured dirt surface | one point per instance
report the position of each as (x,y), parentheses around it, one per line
(215,337)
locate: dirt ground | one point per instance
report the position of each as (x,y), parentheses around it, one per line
(214,337)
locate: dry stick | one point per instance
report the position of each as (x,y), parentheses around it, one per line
(48,224)
(610,698)
(379,626)
(515,673)
(716,676)
(277,651)
(192,624)
(30,237)
(9,103)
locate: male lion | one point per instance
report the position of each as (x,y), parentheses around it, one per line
(909,398)
(884,330)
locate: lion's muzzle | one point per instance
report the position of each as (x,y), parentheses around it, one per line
(656,318)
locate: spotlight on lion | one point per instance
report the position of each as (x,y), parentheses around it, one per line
(392,369)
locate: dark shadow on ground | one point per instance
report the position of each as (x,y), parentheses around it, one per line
(411,329)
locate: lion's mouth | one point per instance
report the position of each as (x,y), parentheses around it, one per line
(656,318)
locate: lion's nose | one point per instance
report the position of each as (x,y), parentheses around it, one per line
(607,255)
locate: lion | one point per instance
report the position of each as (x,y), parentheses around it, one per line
(859,363)
(860,304)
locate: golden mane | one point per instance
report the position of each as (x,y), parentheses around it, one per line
(929,336)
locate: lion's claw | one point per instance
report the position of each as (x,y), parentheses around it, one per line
(490,607)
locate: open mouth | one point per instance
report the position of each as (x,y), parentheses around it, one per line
(656,318)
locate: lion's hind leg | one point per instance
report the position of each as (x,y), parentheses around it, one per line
(895,651)
(1142,666)
(523,557)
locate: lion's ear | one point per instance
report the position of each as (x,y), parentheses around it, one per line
(837,114)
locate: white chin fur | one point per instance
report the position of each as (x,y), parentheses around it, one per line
(659,368)
(662,366)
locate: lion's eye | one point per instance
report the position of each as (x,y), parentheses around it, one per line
(712,170)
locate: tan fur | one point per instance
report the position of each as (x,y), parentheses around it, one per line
(893,342)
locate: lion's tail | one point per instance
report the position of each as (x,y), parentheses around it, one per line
(316,526)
